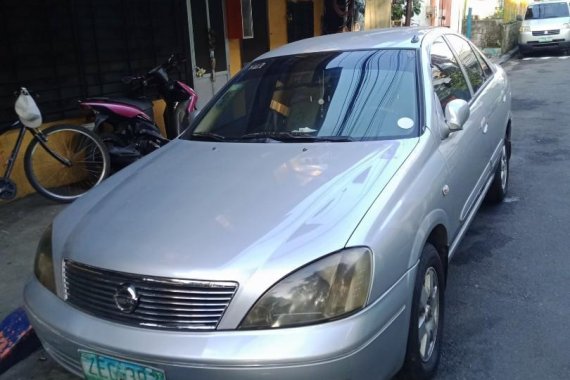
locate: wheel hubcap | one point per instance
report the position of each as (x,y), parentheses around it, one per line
(428,318)
(504,169)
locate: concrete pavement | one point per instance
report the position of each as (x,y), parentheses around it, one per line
(21,224)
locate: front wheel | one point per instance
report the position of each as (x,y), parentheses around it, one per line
(65,161)
(426,321)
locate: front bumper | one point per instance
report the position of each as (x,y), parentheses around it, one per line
(368,345)
(529,42)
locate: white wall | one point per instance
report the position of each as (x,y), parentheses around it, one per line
(457,15)
(484,8)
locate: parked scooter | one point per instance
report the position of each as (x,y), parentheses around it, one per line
(127,125)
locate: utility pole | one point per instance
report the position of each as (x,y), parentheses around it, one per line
(409,12)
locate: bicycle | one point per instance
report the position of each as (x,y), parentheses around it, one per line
(61,162)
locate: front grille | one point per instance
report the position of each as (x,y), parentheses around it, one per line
(172,304)
(545,32)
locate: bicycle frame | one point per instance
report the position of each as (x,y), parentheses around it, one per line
(37,135)
(17,146)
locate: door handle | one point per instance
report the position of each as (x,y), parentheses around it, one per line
(484,125)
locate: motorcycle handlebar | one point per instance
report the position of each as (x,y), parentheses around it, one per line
(173,61)
(131,79)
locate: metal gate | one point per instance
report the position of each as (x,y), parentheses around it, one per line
(66,50)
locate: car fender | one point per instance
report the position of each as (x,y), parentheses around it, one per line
(433,219)
(400,220)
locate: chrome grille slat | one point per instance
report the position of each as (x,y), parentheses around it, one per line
(177,297)
(91,296)
(93,288)
(176,304)
(180,303)
(182,291)
(83,282)
(135,315)
(183,309)
(546,32)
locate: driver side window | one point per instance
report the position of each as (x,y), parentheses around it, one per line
(448,80)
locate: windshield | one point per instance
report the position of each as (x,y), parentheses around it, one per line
(332,96)
(548,10)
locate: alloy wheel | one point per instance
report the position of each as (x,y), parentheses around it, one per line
(504,169)
(428,318)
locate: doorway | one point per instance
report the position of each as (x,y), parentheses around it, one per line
(252,48)
(208,46)
(300,20)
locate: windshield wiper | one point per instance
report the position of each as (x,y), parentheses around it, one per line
(334,139)
(207,136)
(293,137)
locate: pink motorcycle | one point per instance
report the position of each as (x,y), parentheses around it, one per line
(127,126)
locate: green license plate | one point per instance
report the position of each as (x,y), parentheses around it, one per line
(544,39)
(98,367)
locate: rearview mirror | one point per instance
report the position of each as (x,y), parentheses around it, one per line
(456,114)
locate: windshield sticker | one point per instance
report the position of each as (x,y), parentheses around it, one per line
(304,130)
(406,123)
(255,66)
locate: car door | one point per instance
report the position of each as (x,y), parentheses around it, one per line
(498,98)
(488,93)
(462,149)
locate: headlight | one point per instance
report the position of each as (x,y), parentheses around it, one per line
(329,288)
(43,265)
(524,29)
(566,26)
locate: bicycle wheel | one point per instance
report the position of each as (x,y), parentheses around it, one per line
(66,163)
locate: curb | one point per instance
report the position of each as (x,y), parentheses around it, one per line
(507,56)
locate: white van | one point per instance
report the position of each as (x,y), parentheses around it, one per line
(546,25)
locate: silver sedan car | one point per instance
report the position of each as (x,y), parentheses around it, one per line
(301,228)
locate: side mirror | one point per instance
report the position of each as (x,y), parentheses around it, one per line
(519,18)
(456,114)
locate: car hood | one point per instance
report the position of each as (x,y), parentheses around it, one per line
(225,211)
(547,23)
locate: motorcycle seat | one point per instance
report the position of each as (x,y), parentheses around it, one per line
(144,105)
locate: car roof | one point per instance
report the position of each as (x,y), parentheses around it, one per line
(407,38)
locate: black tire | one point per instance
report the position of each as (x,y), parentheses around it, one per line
(82,147)
(500,186)
(417,365)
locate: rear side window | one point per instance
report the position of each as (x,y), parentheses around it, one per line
(547,10)
(448,80)
(469,61)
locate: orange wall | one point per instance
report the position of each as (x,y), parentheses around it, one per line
(277,13)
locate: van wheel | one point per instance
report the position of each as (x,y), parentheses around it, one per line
(499,187)
(426,322)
